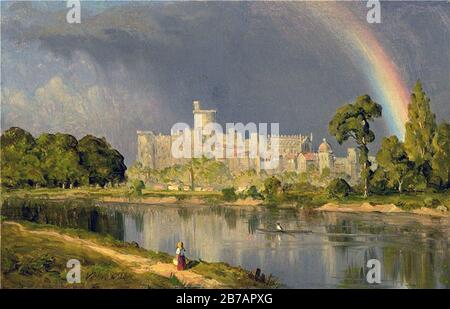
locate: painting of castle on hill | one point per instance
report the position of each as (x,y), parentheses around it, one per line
(225,145)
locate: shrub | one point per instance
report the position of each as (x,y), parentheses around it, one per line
(253,193)
(229,194)
(378,182)
(431,202)
(181,197)
(9,261)
(338,188)
(305,187)
(136,187)
(31,266)
(272,188)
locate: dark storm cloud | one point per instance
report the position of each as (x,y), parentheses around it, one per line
(252,61)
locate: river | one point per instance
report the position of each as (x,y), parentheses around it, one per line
(413,251)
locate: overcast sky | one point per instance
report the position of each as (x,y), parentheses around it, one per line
(138,66)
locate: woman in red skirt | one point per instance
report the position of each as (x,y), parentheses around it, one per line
(181,265)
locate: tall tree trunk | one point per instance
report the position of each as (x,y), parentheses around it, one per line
(191,174)
(365,179)
(364,161)
(400,184)
(366,187)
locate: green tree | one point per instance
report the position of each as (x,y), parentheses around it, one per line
(253,193)
(379,181)
(103,163)
(60,160)
(338,187)
(229,194)
(272,188)
(20,164)
(136,187)
(392,157)
(352,121)
(303,177)
(441,158)
(325,174)
(420,129)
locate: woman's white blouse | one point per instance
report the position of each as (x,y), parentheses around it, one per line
(180,251)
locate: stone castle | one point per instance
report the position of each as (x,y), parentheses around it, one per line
(296,153)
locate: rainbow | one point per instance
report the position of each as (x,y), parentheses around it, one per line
(383,76)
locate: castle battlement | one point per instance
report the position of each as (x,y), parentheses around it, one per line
(144,132)
(296,153)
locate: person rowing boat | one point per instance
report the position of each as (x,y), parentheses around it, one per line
(279,227)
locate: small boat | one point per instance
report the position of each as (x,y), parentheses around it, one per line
(284,231)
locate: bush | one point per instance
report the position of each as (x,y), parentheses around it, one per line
(9,261)
(136,187)
(432,202)
(305,187)
(37,265)
(253,193)
(338,188)
(272,188)
(378,182)
(229,194)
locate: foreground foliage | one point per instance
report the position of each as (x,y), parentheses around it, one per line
(31,260)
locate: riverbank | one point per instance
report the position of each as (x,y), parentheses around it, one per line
(421,203)
(122,195)
(35,256)
(383,208)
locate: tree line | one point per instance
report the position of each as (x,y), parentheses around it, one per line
(420,162)
(58,160)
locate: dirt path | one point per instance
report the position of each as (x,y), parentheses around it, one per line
(135,263)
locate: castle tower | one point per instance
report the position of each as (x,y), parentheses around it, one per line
(352,164)
(325,156)
(202,116)
(146,148)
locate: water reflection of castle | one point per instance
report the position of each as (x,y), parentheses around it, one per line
(296,152)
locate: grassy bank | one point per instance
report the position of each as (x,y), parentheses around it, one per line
(35,256)
(306,199)
(116,192)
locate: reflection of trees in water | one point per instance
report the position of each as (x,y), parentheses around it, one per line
(107,222)
(353,277)
(230,215)
(342,226)
(185,214)
(253,223)
(411,255)
(230,218)
(416,265)
(419,265)
(139,221)
(81,214)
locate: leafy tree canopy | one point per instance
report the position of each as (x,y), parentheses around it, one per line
(352,121)
(392,157)
(103,163)
(441,159)
(420,127)
(56,160)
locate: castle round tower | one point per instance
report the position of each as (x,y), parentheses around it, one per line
(325,156)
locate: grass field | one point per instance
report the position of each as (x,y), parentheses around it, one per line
(35,256)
